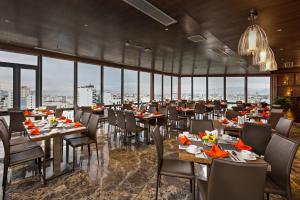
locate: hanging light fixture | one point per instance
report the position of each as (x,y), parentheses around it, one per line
(253,39)
(267,60)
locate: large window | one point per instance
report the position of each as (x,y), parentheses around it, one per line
(157,87)
(199,88)
(258,89)
(112,86)
(186,88)
(28,88)
(58,83)
(144,87)
(215,88)
(175,88)
(18,58)
(130,86)
(235,89)
(6,88)
(88,87)
(167,87)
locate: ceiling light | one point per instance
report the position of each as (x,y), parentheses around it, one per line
(279,30)
(147,49)
(6,21)
(85,25)
(281,49)
(196,38)
(282,59)
(166,29)
(253,39)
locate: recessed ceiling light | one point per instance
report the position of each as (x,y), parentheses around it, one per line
(282,59)
(85,25)
(281,49)
(6,21)
(166,29)
(279,30)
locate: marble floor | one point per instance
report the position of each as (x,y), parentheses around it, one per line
(124,172)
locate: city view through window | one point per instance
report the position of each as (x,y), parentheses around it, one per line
(58,85)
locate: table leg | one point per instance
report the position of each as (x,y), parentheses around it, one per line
(57,155)
(48,148)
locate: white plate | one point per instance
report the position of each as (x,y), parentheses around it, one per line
(249,158)
(196,152)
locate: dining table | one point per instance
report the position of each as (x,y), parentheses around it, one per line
(146,119)
(201,157)
(36,115)
(46,132)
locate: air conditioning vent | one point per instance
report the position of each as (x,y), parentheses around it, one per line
(288,64)
(196,38)
(221,52)
(152,11)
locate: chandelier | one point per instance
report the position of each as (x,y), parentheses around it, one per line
(254,42)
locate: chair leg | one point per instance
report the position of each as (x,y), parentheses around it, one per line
(157,185)
(89,149)
(44,170)
(74,158)
(193,188)
(97,152)
(268,196)
(191,185)
(40,165)
(67,152)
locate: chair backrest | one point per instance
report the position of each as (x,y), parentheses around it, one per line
(16,121)
(120,119)
(93,126)
(127,106)
(2,120)
(280,154)
(58,112)
(86,109)
(173,114)
(236,181)
(257,136)
(112,119)
(274,118)
(85,118)
(159,144)
(51,108)
(200,108)
(130,122)
(163,111)
(277,110)
(284,126)
(217,104)
(5,136)
(231,114)
(77,115)
(201,126)
(152,109)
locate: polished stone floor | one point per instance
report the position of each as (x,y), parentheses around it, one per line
(124,172)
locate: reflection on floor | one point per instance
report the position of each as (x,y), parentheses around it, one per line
(124,172)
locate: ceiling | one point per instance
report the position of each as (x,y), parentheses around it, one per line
(99,30)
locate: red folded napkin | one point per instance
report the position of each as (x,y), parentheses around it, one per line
(77,124)
(225,121)
(265,114)
(235,119)
(28,122)
(202,134)
(243,112)
(27,113)
(184,140)
(260,122)
(216,152)
(68,121)
(35,131)
(240,145)
(179,108)
(62,117)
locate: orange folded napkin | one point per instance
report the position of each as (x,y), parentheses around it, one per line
(260,122)
(35,131)
(265,114)
(224,121)
(62,117)
(157,113)
(216,152)
(68,121)
(28,122)
(240,145)
(77,124)
(27,113)
(235,119)
(31,126)
(202,134)
(184,140)
(243,112)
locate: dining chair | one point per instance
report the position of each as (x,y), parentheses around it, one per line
(257,136)
(86,109)
(280,154)
(22,157)
(131,125)
(13,140)
(77,115)
(112,119)
(200,110)
(90,138)
(229,114)
(22,144)
(175,117)
(201,126)
(121,123)
(274,118)
(58,112)
(152,109)
(217,108)
(233,181)
(163,121)
(284,126)
(16,122)
(276,110)
(170,167)
(51,108)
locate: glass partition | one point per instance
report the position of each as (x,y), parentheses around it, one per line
(186,88)
(215,88)
(28,89)
(6,88)
(144,87)
(258,89)
(111,85)
(235,89)
(157,87)
(199,88)
(167,87)
(174,87)
(130,86)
